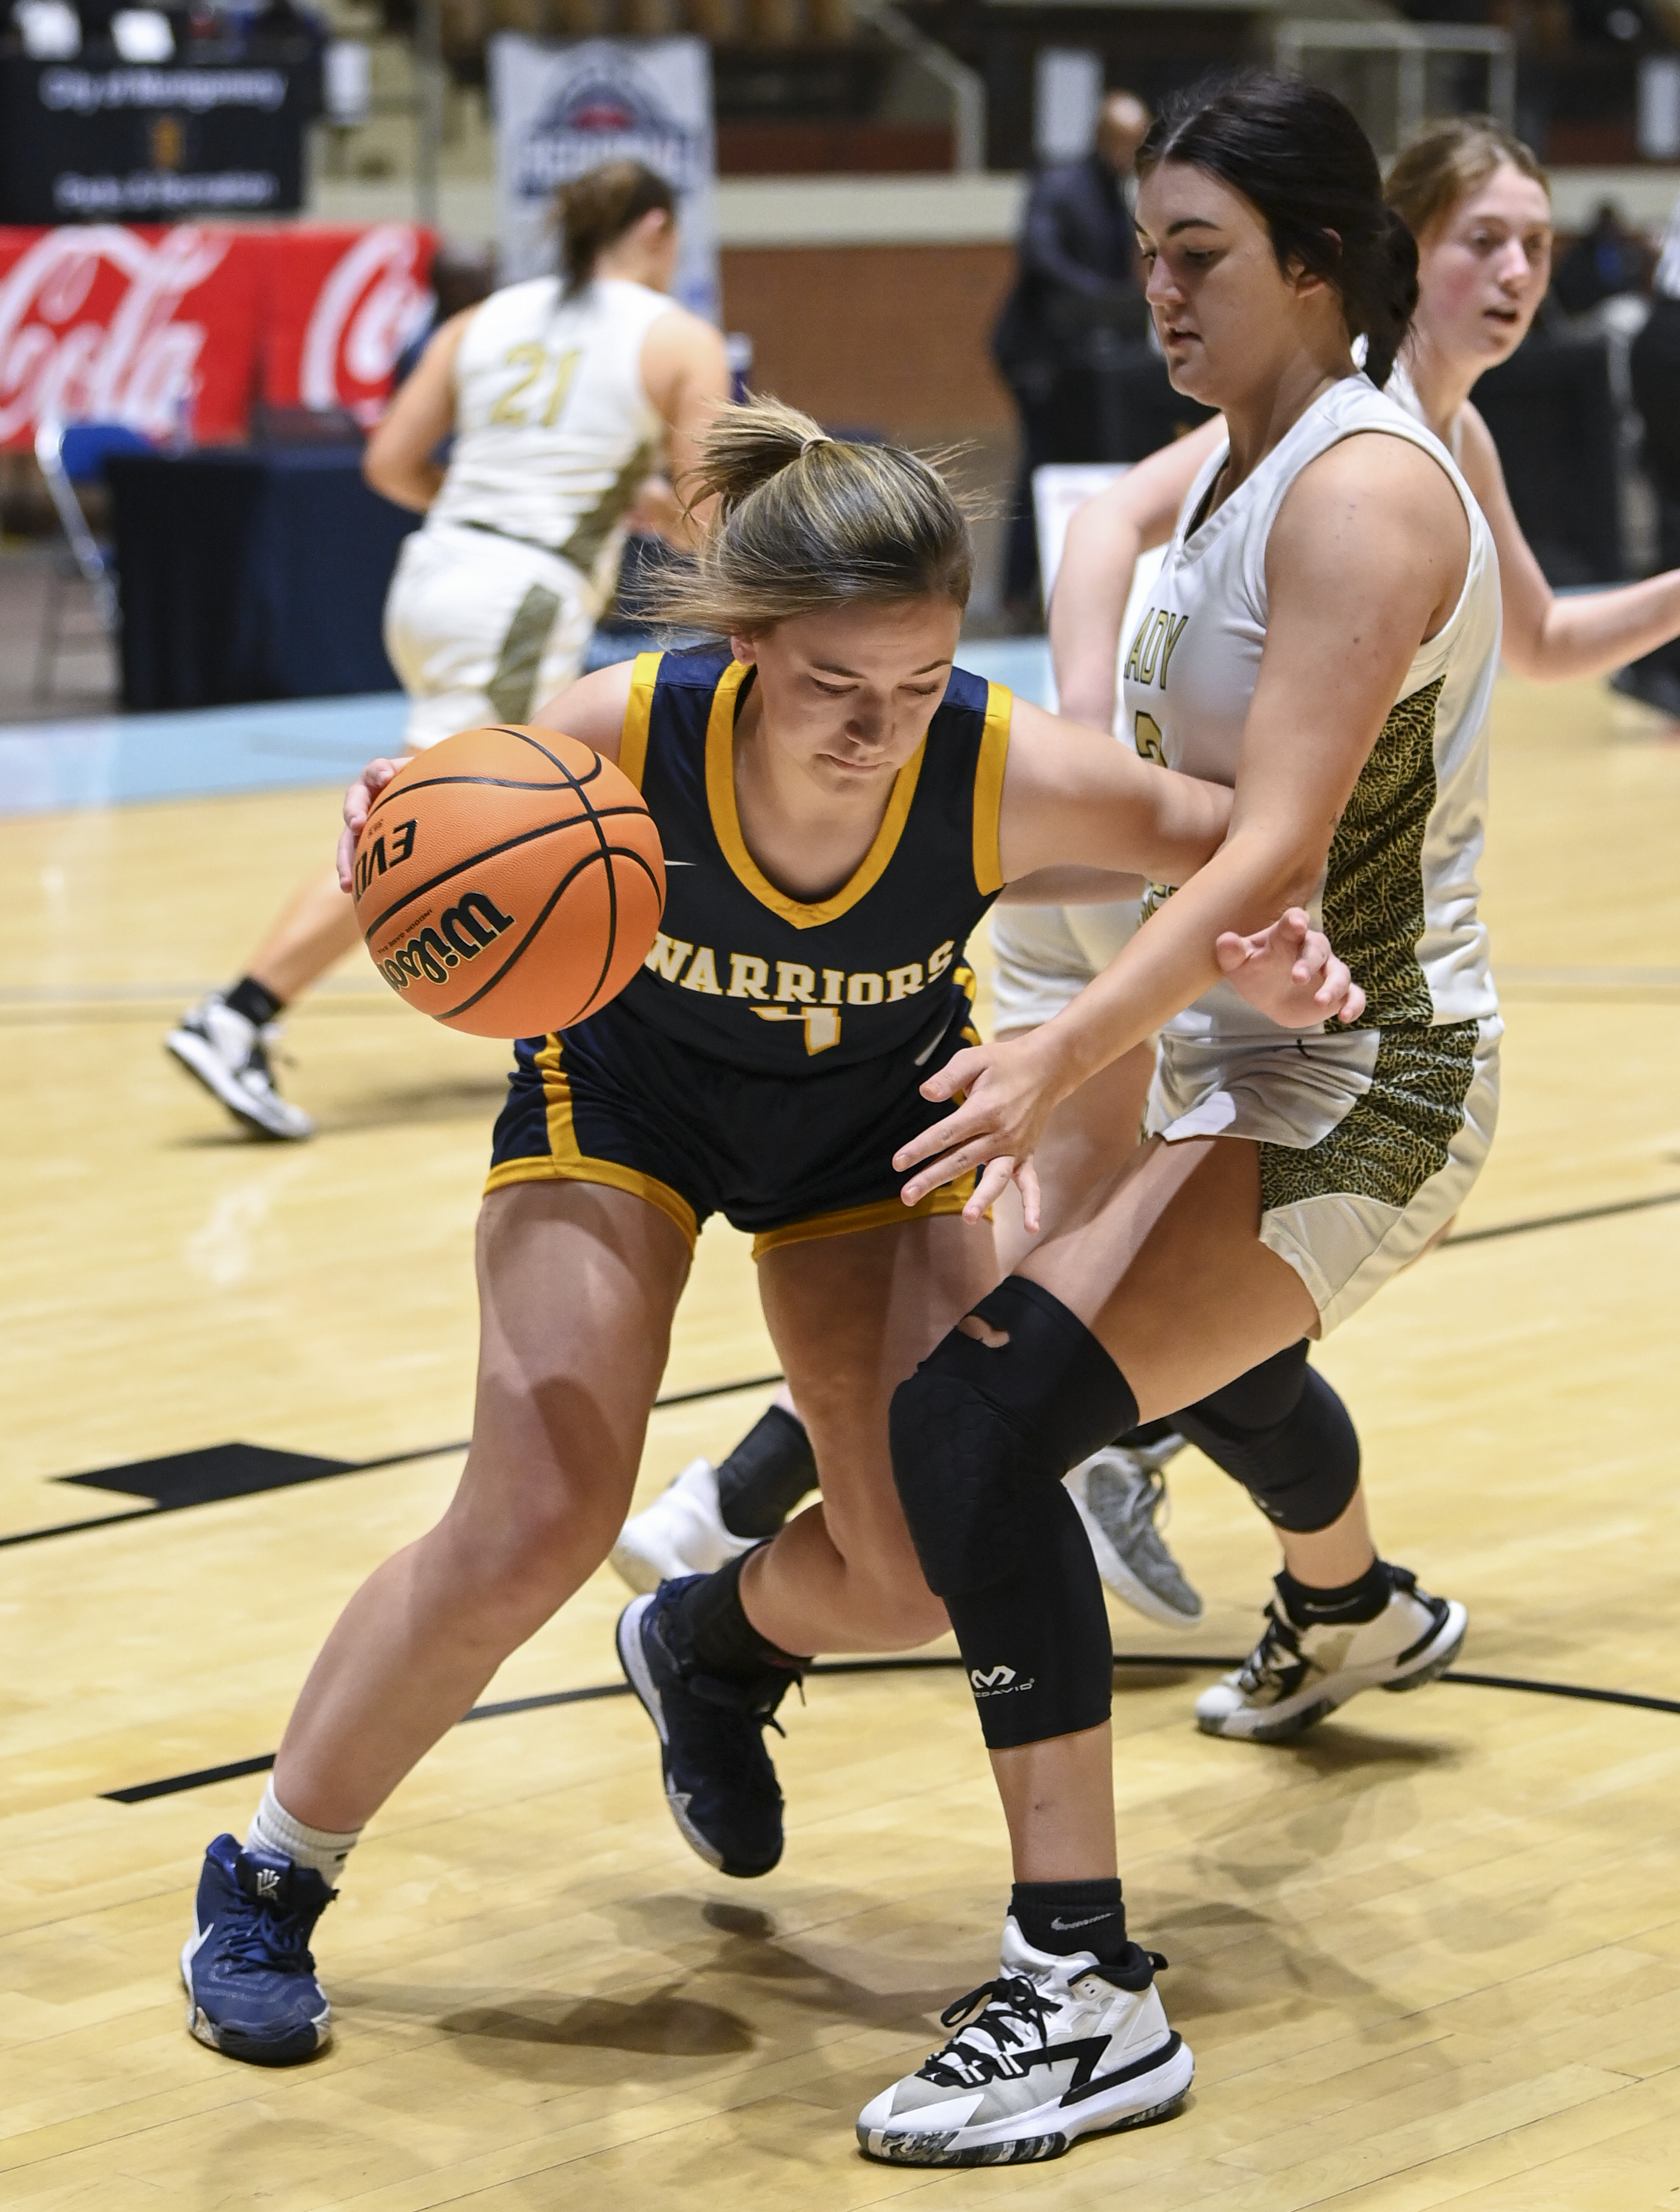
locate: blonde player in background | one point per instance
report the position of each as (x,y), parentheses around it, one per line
(571,400)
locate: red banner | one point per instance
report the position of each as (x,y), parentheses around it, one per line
(174,331)
(342,304)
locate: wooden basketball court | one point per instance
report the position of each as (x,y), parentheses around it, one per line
(1430,1956)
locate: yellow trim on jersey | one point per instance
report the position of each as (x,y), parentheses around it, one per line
(989,788)
(726,823)
(884,1213)
(638,712)
(568,1162)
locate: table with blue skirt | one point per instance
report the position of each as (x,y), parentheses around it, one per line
(249,573)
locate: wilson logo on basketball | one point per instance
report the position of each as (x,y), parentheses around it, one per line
(540,826)
(461,933)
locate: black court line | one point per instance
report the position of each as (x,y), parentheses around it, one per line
(1566,1689)
(328,1469)
(1562,1220)
(172,1785)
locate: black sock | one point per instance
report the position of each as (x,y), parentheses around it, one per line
(1146,1433)
(713,1622)
(1361,1601)
(766,1476)
(254,1000)
(1071,1916)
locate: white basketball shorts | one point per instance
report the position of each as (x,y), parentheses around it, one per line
(482,629)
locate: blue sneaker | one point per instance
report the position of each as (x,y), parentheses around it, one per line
(249,1973)
(720,1783)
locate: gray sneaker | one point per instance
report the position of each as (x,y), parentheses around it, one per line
(1119,1493)
(230,1057)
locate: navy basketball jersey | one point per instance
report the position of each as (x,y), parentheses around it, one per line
(744,974)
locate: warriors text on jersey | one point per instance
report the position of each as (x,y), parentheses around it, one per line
(743,973)
(767,1060)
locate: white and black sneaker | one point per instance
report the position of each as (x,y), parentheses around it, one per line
(681,1533)
(1064,2047)
(1121,1492)
(1294,1676)
(230,1056)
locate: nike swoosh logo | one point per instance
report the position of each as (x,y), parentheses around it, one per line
(1145,2065)
(1061,1927)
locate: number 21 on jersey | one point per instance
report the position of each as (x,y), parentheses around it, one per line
(532,360)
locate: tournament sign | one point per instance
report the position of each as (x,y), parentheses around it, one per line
(563,108)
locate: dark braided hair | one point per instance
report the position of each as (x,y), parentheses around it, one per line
(1298,156)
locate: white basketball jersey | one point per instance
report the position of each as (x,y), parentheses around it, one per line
(1398,898)
(554,429)
(1401,389)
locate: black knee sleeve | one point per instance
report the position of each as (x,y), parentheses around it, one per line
(982,1437)
(980,1431)
(1036,1646)
(1285,1435)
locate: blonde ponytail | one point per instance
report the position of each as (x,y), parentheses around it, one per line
(804,521)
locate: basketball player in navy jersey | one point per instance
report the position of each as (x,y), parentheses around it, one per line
(839,806)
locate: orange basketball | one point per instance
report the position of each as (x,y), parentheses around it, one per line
(509,881)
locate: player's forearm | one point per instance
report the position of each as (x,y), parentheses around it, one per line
(1596,632)
(1133,817)
(1086,610)
(1187,823)
(1072,886)
(412,484)
(1171,962)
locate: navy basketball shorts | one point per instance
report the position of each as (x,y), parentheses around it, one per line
(782,1157)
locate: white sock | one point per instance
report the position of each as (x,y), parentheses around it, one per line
(274,1830)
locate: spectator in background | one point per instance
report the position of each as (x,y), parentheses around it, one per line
(1605,262)
(1078,275)
(1654,366)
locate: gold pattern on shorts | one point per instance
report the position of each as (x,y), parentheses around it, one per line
(1396,1136)
(511,689)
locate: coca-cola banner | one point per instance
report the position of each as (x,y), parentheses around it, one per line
(341,305)
(101,323)
(174,331)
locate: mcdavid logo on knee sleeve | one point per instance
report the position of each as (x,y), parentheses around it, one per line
(996,1681)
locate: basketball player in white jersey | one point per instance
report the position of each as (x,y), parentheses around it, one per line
(1477,202)
(1324,637)
(566,398)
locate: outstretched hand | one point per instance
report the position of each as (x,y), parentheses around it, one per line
(1007,1091)
(358,805)
(1006,1100)
(1289,972)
